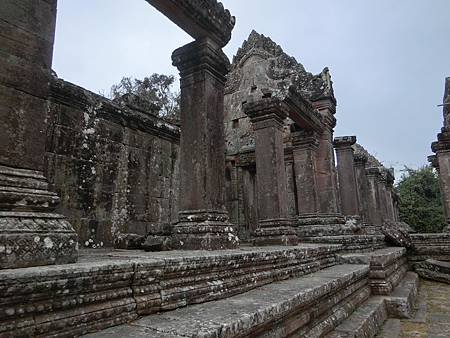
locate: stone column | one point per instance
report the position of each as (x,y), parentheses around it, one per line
(267,116)
(203,220)
(31,233)
(442,150)
(382,199)
(373,200)
(304,148)
(362,184)
(325,165)
(390,178)
(433,159)
(346,175)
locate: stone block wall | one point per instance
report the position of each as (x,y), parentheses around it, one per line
(114,167)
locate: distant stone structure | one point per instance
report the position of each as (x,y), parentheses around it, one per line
(254,157)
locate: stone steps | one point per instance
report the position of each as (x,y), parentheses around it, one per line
(365,322)
(307,306)
(107,288)
(351,243)
(379,313)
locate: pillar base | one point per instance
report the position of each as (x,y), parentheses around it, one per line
(32,239)
(320,219)
(204,230)
(31,234)
(275,232)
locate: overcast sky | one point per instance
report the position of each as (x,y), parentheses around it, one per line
(388,58)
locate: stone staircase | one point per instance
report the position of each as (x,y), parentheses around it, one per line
(309,290)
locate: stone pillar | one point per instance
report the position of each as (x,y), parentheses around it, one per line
(31,233)
(346,174)
(433,159)
(203,220)
(304,148)
(325,165)
(373,200)
(382,199)
(442,150)
(390,178)
(267,116)
(362,184)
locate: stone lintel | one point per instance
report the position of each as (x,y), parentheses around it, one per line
(201,55)
(200,19)
(344,142)
(302,112)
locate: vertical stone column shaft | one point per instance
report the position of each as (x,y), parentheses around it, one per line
(346,174)
(203,218)
(305,145)
(362,183)
(373,199)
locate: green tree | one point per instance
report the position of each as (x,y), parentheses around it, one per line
(156,91)
(421,204)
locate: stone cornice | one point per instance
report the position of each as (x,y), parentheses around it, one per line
(71,95)
(199,18)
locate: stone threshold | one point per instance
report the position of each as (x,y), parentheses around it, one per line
(307,306)
(112,287)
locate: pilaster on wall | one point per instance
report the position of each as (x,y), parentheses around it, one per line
(31,233)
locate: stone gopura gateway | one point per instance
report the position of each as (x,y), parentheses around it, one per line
(249,226)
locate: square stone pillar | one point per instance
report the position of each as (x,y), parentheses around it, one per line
(304,148)
(442,150)
(203,219)
(382,195)
(390,178)
(434,161)
(362,183)
(325,166)
(31,233)
(267,116)
(373,199)
(346,174)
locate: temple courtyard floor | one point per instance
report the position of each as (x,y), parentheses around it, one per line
(432,316)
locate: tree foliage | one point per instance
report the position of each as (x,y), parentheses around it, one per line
(420,196)
(155,90)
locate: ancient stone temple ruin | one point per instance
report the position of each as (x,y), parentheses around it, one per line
(250,218)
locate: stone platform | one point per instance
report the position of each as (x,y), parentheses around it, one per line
(107,288)
(351,243)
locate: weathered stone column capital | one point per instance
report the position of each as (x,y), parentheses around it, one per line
(201,55)
(360,159)
(266,112)
(373,172)
(344,142)
(304,139)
